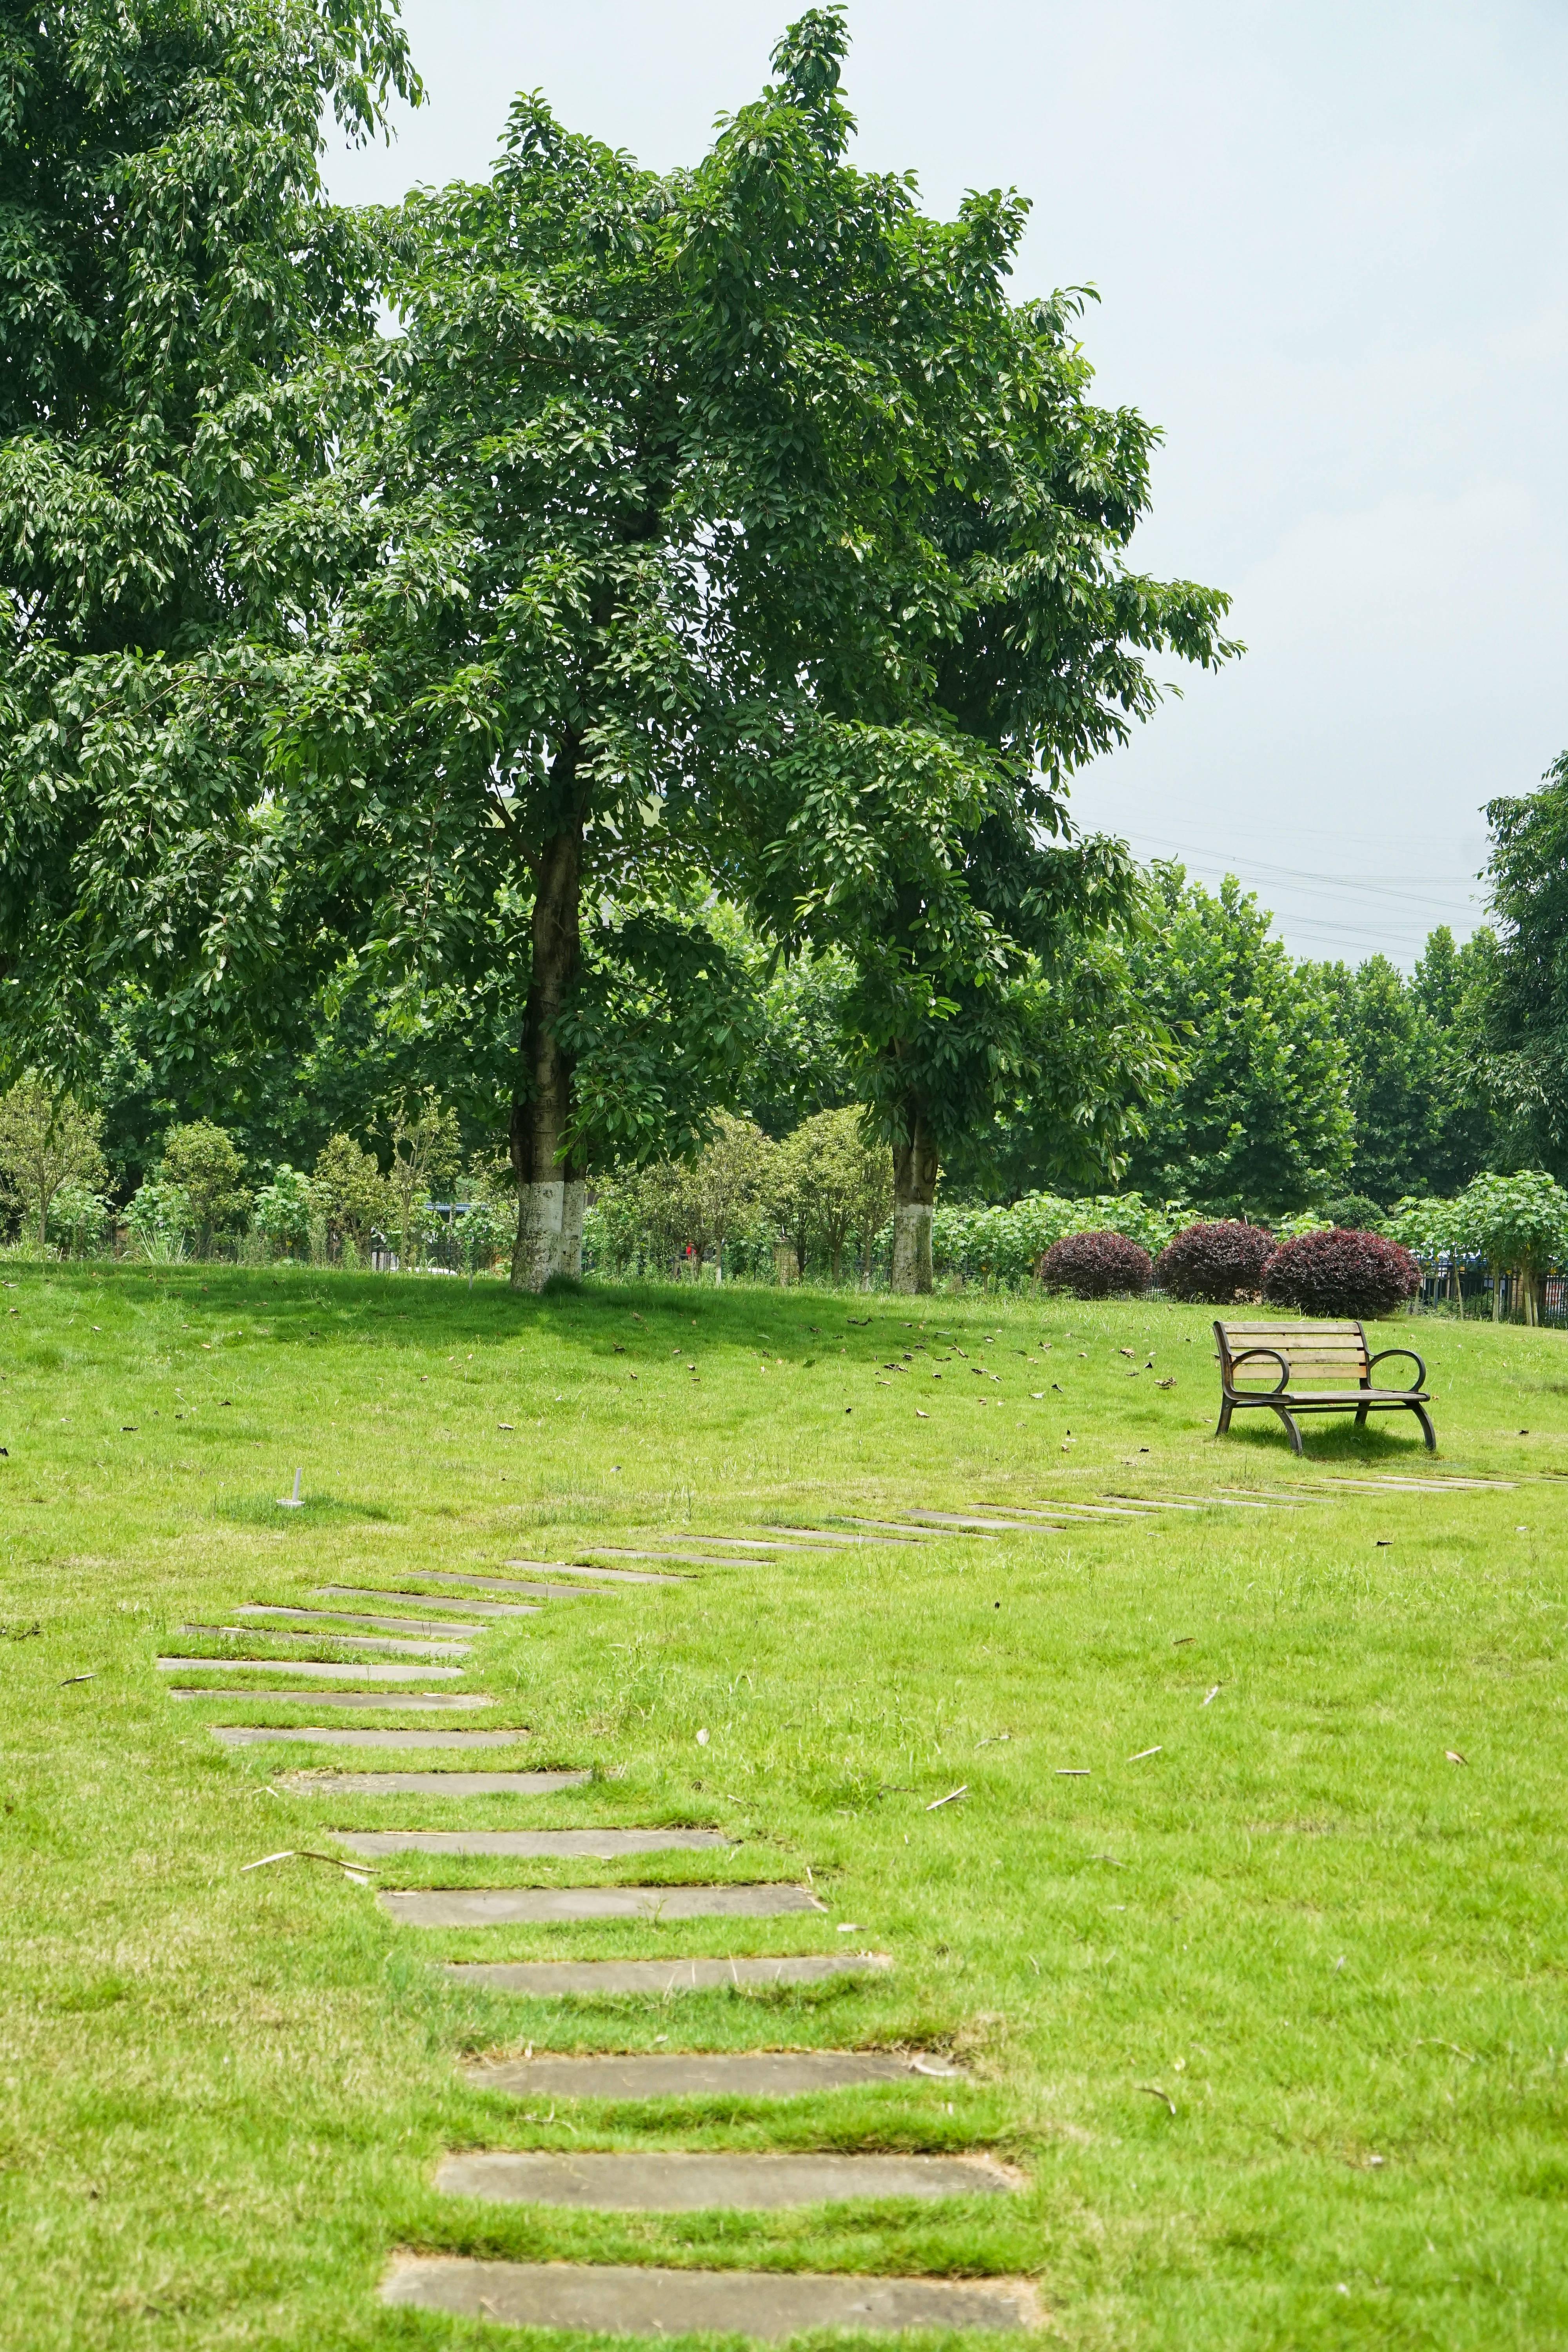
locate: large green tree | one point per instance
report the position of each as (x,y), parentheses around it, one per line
(695,504)
(168,262)
(1260,1121)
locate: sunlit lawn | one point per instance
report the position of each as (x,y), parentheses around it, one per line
(1273,2017)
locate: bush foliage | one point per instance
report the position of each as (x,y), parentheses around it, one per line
(1342,1272)
(1096,1266)
(1217,1263)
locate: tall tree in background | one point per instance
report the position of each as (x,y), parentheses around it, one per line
(1419,1085)
(1260,1121)
(1455,986)
(1527,1008)
(1392,1054)
(168,260)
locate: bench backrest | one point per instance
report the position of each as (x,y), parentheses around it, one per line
(1324,1355)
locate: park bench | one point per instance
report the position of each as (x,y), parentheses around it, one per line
(1322,1368)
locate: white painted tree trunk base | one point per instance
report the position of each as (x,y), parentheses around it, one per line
(549,1234)
(911,1268)
(573,1210)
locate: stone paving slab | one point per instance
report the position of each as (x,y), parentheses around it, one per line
(547,1979)
(993,1522)
(236,1734)
(1050,1516)
(432,1784)
(684,1558)
(701,2073)
(498,1906)
(317,1671)
(563,1567)
(680,2181)
(465,1601)
(965,1534)
(612,2300)
(734,1549)
(447,1627)
(839,1542)
(426,1703)
(389,1642)
(594,1845)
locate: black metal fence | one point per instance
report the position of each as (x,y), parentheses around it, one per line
(1471,1278)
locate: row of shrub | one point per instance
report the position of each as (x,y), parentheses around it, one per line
(1333,1271)
(199,1199)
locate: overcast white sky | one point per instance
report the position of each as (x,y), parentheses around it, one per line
(1331,247)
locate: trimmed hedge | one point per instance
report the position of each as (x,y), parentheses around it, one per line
(1095,1265)
(1341,1273)
(1218,1263)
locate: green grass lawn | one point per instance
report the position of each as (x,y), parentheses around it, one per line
(1273,2018)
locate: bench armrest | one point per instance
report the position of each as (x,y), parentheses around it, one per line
(1420,1379)
(1284,1382)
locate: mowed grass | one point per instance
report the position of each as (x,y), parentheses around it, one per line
(1272,2018)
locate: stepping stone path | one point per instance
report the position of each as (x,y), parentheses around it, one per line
(725,2180)
(429,1702)
(443,1649)
(499,1906)
(597,1845)
(560,1979)
(434,1784)
(328,1619)
(257,1735)
(604,2299)
(700,2074)
(335,1674)
(601,2298)
(487,1610)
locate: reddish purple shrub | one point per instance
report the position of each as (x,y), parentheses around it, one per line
(1218,1263)
(1095,1265)
(1341,1273)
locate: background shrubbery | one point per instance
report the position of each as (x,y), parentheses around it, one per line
(1096,1266)
(1217,1263)
(1340,1273)
(815,1204)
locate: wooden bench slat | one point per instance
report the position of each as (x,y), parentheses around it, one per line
(1354,1330)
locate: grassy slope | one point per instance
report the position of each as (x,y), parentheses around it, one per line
(1338,1953)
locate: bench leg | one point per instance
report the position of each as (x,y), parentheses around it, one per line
(1223,1418)
(1289,1422)
(1361,1416)
(1425,1417)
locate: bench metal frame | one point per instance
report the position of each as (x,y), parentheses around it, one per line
(1317,1340)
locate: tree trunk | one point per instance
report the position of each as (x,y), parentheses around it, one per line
(914,1202)
(550,1191)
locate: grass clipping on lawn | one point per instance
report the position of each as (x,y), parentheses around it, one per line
(1261,1991)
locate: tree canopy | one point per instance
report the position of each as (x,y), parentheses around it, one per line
(1259,1120)
(168,265)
